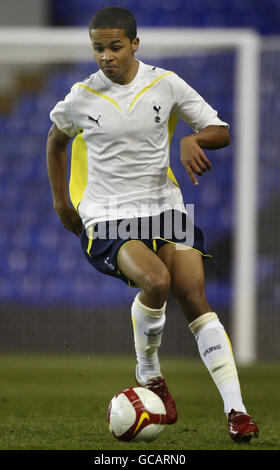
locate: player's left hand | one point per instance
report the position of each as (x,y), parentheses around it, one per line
(193,158)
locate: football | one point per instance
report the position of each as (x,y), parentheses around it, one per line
(136,414)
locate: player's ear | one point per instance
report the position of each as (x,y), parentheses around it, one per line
(135,44)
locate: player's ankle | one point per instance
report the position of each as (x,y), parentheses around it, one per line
(144,372)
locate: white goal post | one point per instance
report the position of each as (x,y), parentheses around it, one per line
(63,45)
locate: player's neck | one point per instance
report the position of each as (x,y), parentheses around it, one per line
(130,74)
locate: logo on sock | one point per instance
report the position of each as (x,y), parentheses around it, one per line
(153,334)
(212,348)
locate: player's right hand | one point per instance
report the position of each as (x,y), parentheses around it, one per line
(70,220)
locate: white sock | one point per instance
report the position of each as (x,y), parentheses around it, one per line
(216,352)
(148,324)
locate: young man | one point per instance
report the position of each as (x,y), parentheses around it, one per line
(123,117)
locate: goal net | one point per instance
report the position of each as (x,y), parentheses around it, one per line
(43,269)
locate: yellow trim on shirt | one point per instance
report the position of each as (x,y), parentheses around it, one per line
(79,170)
(147,88)
(171,176)
(105,97)
(172,123)
(171,128)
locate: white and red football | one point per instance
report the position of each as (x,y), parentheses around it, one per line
(136,414)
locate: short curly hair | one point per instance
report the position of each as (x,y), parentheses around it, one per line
(113,17)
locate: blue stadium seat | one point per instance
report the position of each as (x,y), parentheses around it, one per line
(263,16)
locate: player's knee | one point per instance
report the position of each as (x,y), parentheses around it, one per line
(194,294)
(157,284)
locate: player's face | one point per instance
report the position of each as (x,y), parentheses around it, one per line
(114,54)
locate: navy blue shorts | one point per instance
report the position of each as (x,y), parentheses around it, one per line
(101,243)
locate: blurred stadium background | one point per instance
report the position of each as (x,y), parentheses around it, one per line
(51,300)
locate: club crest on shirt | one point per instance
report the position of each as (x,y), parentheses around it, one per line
(157,110)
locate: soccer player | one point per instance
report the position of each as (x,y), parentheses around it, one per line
(126,198)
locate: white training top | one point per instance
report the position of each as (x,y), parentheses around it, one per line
(120,168)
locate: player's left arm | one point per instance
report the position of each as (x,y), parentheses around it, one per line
(191,149)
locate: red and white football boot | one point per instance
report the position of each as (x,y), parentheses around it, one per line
(241,426)
(158,385)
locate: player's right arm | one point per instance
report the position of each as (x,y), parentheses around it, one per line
(210,132)
(57,171)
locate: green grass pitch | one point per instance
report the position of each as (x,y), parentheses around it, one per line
(60,402)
